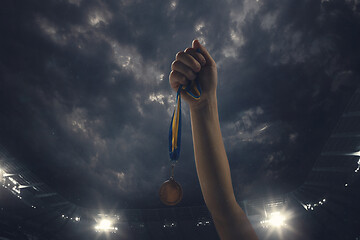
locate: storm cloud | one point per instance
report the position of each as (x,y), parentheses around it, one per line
(86,104)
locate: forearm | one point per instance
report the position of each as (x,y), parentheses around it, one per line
(210,158)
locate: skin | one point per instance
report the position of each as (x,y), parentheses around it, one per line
(211,161)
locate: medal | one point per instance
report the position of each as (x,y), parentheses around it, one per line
(170,192)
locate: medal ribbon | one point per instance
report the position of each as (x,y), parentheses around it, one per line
(175,125)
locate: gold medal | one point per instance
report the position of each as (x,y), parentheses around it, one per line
(170,191)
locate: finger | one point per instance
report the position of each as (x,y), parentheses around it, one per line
(176,78)
(189,61)
(209,60)
(198,56)
(180,67)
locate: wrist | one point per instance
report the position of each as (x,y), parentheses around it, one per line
(205,103)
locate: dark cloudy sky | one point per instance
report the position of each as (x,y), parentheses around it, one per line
(85,101)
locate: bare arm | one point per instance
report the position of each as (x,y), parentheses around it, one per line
(210,157)
(214,175)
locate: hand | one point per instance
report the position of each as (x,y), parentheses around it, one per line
(190,65)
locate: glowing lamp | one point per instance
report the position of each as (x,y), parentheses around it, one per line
(277,219)
(105,225)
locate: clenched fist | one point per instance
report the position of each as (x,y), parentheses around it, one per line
(190,65)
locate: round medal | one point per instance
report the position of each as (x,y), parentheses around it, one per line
(170,192)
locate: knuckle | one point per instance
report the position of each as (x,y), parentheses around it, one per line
(197,66)
(179,54)
(174,63)
(203,61)
(187,50)
(171,76)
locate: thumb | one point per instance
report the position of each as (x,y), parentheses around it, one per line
(209,60)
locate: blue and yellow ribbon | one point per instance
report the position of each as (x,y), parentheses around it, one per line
(194,91)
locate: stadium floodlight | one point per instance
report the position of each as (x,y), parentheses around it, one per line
(106,225)
(277,219)
(274,220)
